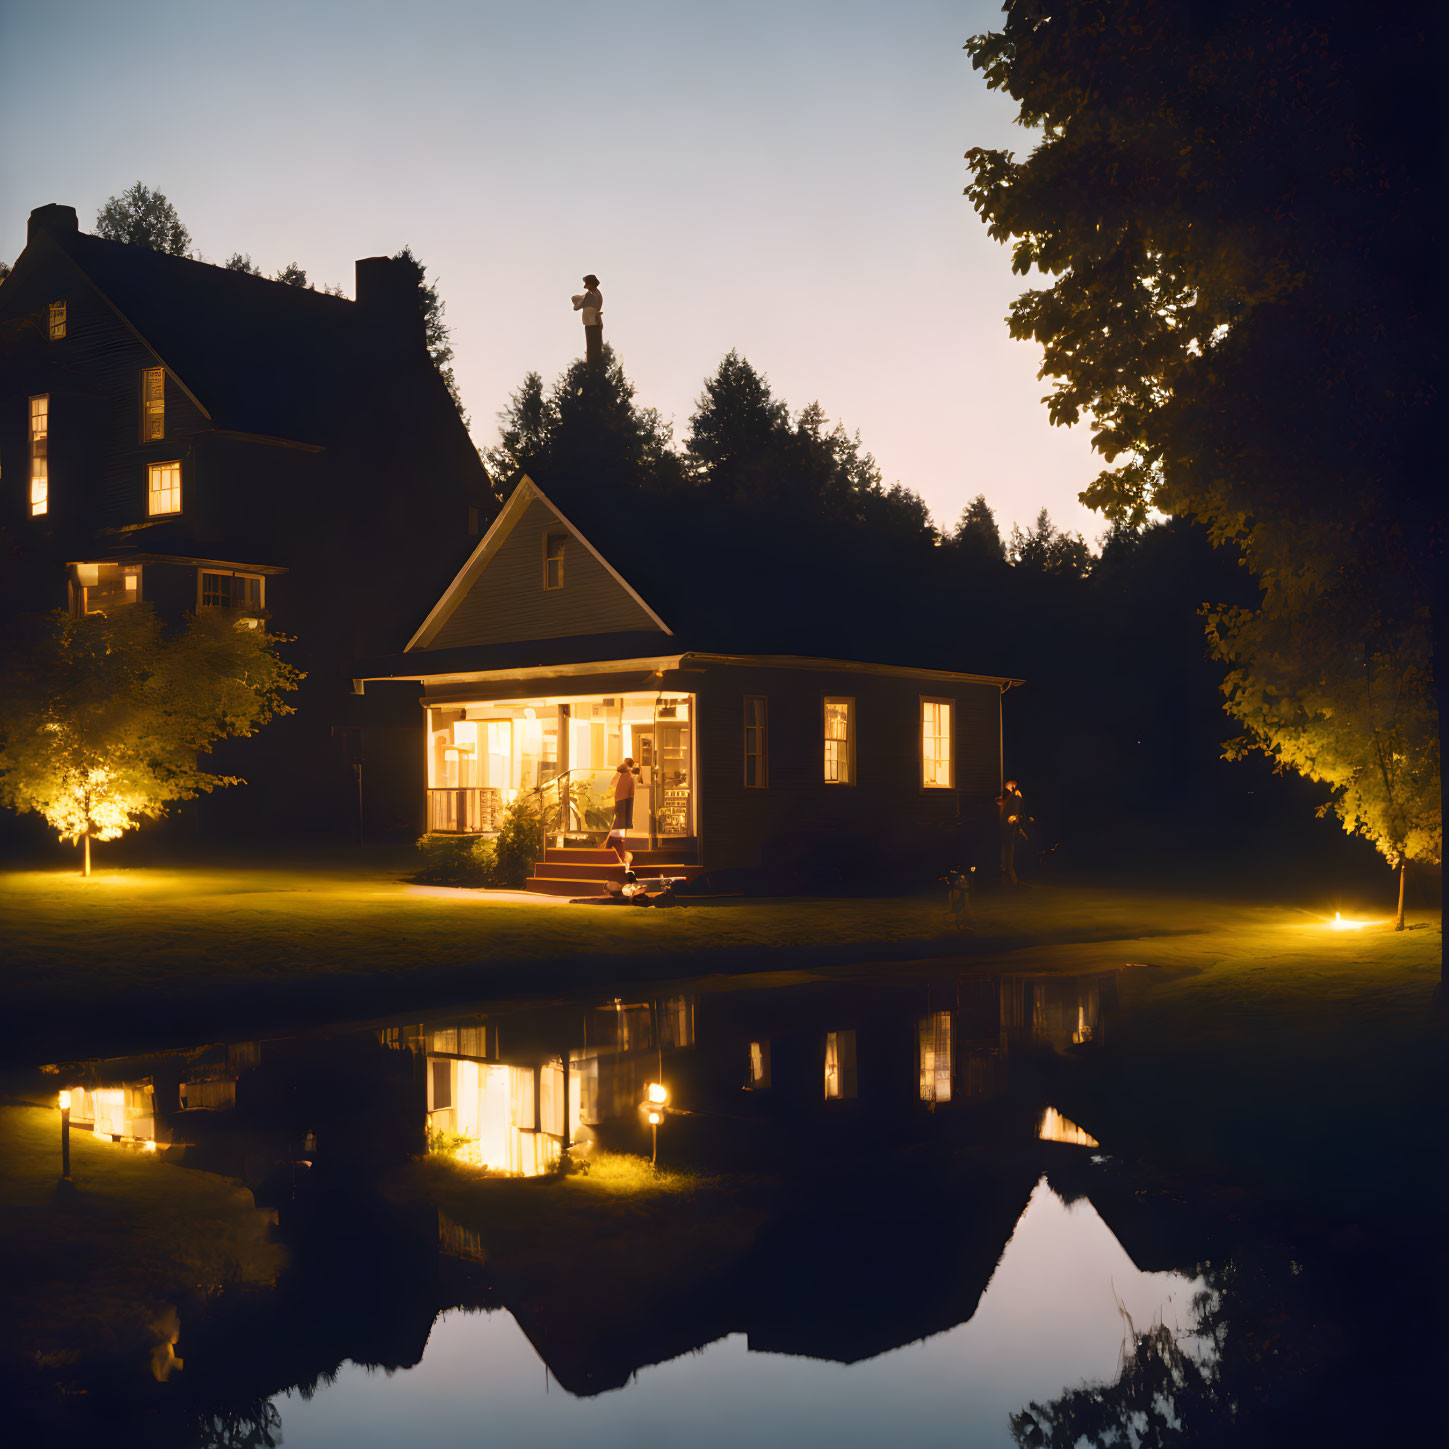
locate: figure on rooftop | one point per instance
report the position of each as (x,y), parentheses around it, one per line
(591,303)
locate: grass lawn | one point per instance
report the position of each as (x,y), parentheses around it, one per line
(149,951)
(104,1273)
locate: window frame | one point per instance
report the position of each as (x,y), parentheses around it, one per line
(151,491)
(950,737)
(81,605)
(153,409)
(762,750)
(826,739)
(39,506)
(57,320)
(560,537)
(249,609)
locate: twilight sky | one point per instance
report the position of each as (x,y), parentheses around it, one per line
(784,178)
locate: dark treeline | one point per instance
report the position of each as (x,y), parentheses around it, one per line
(763,524)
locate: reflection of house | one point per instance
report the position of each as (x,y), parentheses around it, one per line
(544,666)
(196,438)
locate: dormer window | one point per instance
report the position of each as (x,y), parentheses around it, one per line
(57,321)
(553,560)
(40,454)
(163,488)
(153,406)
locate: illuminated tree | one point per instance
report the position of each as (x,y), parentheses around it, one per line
(141,217)
(1233,204)
(103,718)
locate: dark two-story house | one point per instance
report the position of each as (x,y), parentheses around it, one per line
(192,437)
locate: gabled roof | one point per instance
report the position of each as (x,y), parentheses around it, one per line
(257,356)
(526,492)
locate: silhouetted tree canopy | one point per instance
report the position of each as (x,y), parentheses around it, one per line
(242,262)
(436,333)
(976,533)
(292,275)
(1233,205)
(141,217)
(1045,549)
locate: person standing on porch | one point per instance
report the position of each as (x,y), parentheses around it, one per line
(591,303)
(618,840)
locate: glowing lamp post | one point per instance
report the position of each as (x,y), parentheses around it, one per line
(65,1136)
(656,1094)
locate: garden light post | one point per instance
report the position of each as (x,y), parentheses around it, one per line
(656,1095)
(65,1136)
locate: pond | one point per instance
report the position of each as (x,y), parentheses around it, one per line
(879,1216)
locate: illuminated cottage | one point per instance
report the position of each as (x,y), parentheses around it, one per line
(783,716)
(199,438)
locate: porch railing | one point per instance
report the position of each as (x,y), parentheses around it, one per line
(465,810)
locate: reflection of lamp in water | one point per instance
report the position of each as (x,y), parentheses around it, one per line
(64,1102)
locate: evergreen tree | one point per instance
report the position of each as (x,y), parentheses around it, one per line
(141,217)
(1045,549)
(436,334)
(242,262)
(976,533)
(737,429)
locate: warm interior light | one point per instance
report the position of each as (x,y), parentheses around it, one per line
(1056,1128)
(65,1101)
(658,1093)
(148,1146)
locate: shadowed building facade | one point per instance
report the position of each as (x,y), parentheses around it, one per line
(191,437)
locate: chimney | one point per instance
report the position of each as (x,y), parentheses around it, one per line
(387,293)
(54,217)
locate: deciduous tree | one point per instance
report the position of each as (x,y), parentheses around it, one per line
(141,217)
(103,718)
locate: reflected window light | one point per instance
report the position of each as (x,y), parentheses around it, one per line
(759,1067)
(934,1044)
(1056,1128)
(840,1085)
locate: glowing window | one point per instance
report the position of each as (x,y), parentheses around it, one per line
(40,454)
(57,321)
(757,765)
(163,490)
(839,741)
(225,590)
(839,1066)
(101,587)
(937,757)
(553,560)
(153,407)
(759,1067)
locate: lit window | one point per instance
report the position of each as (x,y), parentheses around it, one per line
(101,587)
(934,1038)
(153,405)
(937,758)
(553,560)
(163,491)
(40,454)
(57,321)
(756,743)
(231,591)
(839,741)
(839,1066)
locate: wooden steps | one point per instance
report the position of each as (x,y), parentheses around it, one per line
(585,872)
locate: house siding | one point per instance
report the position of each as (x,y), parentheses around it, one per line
(508,602)
(887,810)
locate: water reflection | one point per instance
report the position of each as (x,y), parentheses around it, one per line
(915,1230)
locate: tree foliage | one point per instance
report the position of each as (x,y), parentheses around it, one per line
(436,334)
(293,275)
(242,262)
(1045,549)
(976,534)
(103,718)
(1233,203)
(141,217)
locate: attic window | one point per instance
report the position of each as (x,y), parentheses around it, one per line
(163,490)
(153,406)
(57,321)
(553,560)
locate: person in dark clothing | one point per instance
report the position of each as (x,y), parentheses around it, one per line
(1011,811)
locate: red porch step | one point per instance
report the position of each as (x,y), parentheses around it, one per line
(582,872)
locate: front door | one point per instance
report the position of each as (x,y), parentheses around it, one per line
(666,778)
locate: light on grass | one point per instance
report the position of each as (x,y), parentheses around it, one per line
(1339,924)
